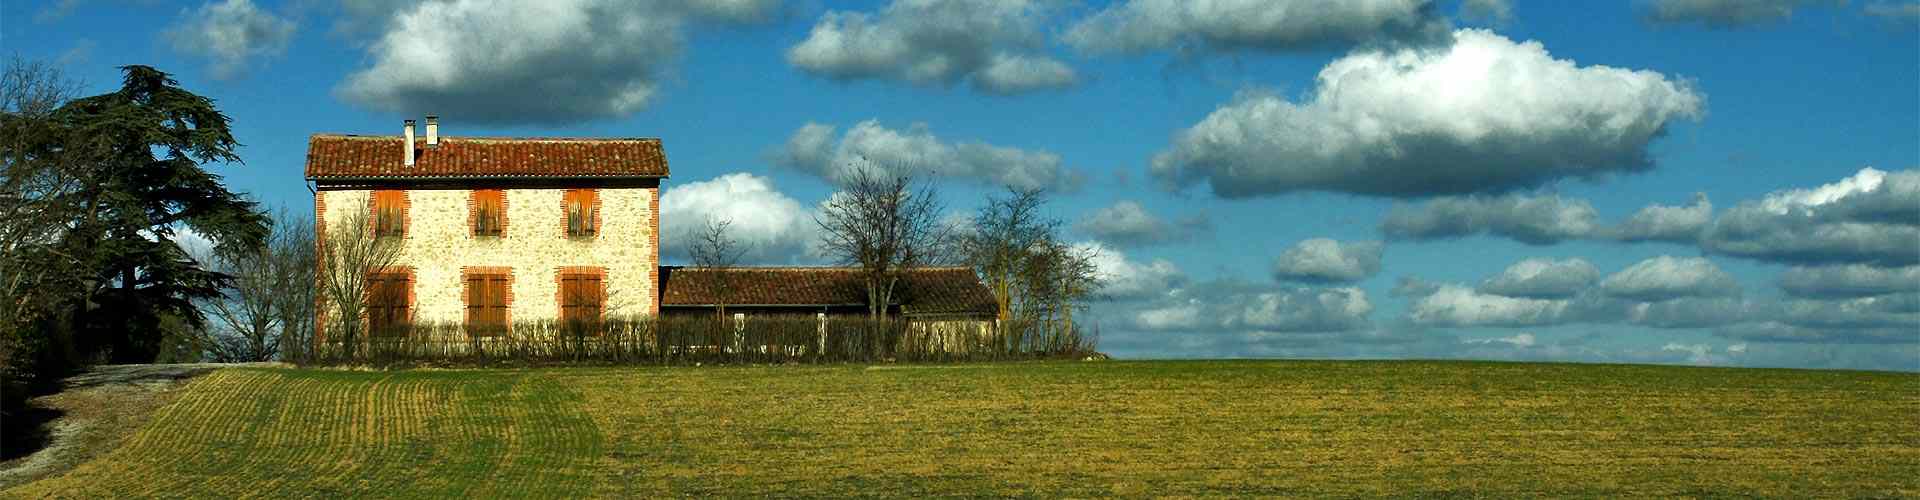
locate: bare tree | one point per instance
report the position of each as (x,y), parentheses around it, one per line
(1001,241)
(1037,279)
(716,252)
(1059,279)
(887,226)
(268,311)
(37,190)
(351,252)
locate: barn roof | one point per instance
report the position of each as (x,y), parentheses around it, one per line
(360,157)
(932,290)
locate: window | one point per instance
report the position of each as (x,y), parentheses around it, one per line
(390,213)
(582,298)
(487,303)
(389,303)
(582,212)
(489,212)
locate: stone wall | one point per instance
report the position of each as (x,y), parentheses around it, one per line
(439,245)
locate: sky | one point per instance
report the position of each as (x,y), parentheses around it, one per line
(1710,182)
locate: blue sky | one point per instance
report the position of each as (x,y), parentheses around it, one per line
(1435,144)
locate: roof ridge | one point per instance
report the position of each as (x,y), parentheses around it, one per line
(815,268)
(488,138)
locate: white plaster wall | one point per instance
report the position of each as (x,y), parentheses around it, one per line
(439,242)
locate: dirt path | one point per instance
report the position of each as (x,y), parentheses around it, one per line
(99,409)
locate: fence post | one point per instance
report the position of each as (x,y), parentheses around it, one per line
(820,327)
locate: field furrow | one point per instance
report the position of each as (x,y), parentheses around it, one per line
(1023,429)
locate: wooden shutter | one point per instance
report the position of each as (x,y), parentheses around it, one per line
(580,209)
(389,213)
(489,212)
(581,297)
(487,302)
(388,306)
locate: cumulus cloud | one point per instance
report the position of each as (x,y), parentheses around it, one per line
(1459,306)
(1484,114)
(1225,307)
(231,35)
(1694,312)
(1125,278)
(812,149)
(1667,223)
(1126,223)
(511,62)
(1782,332)
(1520,340)
(1723,13)
(1136,26)
(1322,260)
(1849,280)
(770,226)
(1895,310)
(1865,218)
(993,45)
(1667,277)
(1535,220)
(1905,14)
(1542,279)
(1497,11)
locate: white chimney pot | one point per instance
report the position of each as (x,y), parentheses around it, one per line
(433,131)
(409,144)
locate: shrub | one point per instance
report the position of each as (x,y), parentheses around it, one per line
(703,340)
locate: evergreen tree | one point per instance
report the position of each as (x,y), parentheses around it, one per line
(139,152)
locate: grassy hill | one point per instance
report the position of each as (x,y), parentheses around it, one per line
(1048,429)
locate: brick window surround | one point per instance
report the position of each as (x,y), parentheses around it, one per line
(388,209)
(580,213)
(488,293)
(582,293)
(389,303)
(487,212)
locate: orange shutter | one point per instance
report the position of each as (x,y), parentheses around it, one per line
(389,213)
(489,212)
(580,208)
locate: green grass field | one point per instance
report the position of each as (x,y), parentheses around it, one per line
(1305,428)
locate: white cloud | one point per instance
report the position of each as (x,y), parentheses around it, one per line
(1137,26)
(1496,11)
(1542,279)
(232,35)
(1668,223)
(1666,277)
(1485,114)
(1865,218)
(868,144)
(549,62)
(1905,13)
(1695,312)
(772,227)
(1521,340)
(994,45)
(1128,223)
(1228,308)
(1124,278)
(1723,13)
(1535,220)
(1849,280)
(1322,260)
(1459,306)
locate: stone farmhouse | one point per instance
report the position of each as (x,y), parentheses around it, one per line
(495,231)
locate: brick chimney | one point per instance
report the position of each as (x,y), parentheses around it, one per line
(433,131)
(409,144)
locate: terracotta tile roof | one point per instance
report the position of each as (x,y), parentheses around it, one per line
(333,156)
(934,290)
